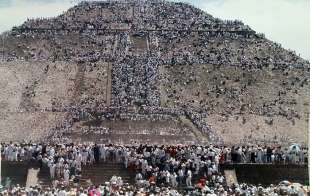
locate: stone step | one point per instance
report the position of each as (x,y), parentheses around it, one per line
(16,171)
(102,167)
(32,177)
(103,179)
(97,173)
(105,173)
(44,177)
(102,172)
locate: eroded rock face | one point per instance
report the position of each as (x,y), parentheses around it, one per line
(102,60)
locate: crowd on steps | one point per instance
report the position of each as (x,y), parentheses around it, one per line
(138,39)
(173,166)
(173,24)
(141,40)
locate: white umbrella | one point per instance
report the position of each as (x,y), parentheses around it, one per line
(285,182)
(295,148)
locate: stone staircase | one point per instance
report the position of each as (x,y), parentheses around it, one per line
(103,172)
(14,170)
(44,177)
(130,138)
(32,177)
(96,173)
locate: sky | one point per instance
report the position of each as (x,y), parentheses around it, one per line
(283,21)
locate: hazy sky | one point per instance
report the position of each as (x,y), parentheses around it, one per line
(284,21)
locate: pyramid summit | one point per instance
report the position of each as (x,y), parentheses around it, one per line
(149,70)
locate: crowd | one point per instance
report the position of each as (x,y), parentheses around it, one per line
(147,113)
(170,165)
(173,33)
(172,27)
(134,73)
(88,153)
(158,168)
(206,187)
(168,16)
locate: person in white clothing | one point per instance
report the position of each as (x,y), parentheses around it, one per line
(181,176)
(173,179)
(66,177)
(189,178)
(52,167)
(84,156)
(62,192)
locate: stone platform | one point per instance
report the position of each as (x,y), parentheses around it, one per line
(267,174)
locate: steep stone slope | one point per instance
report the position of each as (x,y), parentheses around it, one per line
(243,105)
(160,61)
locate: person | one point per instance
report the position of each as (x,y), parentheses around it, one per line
(66,177)
(144,166)
(189,178)
(52,167)
(15,154)
(9,152)
(173,180)
(138,177)
(167,177)
(269,153)
(181,176)
(84,156)
(253,154)
(83,193)
(103,152)
(259,156)
(125,159)
(62,192)
(96,153)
